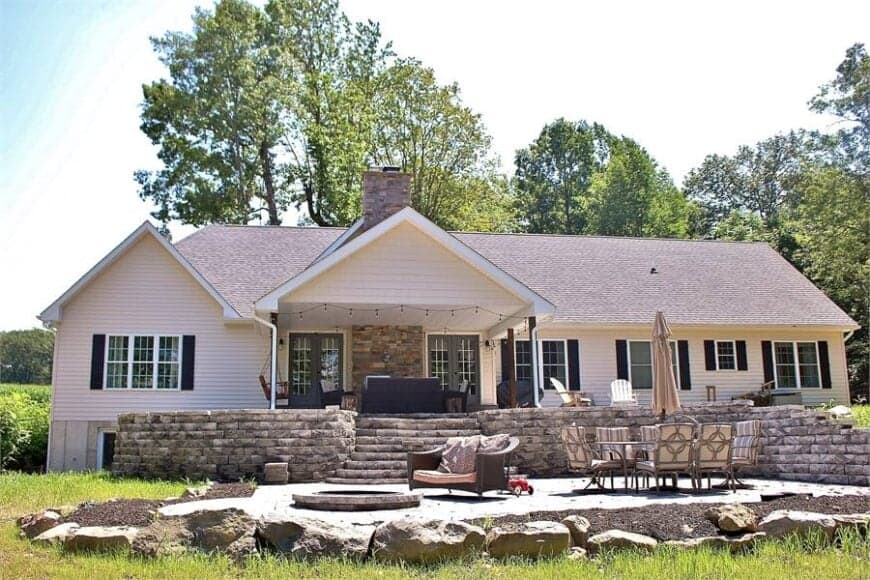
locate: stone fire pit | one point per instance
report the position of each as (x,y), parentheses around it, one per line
(351,500)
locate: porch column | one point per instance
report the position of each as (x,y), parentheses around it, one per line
(533,346)
(512,370)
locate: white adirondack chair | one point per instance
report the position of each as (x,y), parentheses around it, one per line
(569,398)
(621,393)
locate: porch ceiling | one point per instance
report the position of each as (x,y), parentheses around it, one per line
(452,317)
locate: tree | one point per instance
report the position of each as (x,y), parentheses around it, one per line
(759,179)
(216,121)
(553,176)
(26,356)
(425,129)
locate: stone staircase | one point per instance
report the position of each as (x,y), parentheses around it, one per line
(383,442)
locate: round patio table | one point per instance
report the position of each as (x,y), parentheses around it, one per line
(622,452)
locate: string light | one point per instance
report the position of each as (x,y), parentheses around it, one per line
(300,316)
(350,312)
(377,313)
(324,308)
(477,309)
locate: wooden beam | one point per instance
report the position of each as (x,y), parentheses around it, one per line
(512,370)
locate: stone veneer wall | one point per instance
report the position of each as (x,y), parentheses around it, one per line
(796,444)
(228,445)
(401,345)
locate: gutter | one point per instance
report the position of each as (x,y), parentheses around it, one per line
(533,338)
(273,365)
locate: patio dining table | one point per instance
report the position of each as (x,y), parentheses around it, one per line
(622,452)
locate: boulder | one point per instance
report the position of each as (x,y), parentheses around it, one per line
(226,530)
(785,522)
(100,538)
(731,543)
(34,524)
(532,540)
(57,534)
(579,528)
(577,553)
(196,492)
(860,522)
(307,538)
(732,518)
(619,540)
(424,540)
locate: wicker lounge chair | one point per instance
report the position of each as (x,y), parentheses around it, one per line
(489,474)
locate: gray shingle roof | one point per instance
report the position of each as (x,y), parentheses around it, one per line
(590,280)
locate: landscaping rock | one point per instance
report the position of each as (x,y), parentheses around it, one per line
(34,524)
(227,531)
(57,534)
(577,553)
(100,538)
(733,518)
(860,522)
(731,543)
(307,538)
(195,492)
(618,539)
(532,539)
(424,540)
(579,528)
(785,522)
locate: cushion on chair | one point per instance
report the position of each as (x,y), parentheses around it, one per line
(460,455)
(494,443)
(438,477)
(743,447)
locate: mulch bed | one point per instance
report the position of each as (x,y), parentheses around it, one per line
(677,521)
(141,512)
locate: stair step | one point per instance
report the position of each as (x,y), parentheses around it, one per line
(416,433)
(378,456)
(392,423)
(355,481)
(372,473)
(400,442)
(378,464)
(382,448)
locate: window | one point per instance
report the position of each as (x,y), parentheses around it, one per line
(142,362)
(640,368)
(796,365)
(553,363)
(726,355)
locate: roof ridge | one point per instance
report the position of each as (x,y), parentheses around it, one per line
(602,237)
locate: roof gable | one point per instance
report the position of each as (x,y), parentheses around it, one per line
(269,302)
(54,312)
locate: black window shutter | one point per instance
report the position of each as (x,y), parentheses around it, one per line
(767,360)
(504,360)
(742,365)
(574,365)
(825,364)
(188,358)
(710,355)
(98,355)
(685,374)
(622,359)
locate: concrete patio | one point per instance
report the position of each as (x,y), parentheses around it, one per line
(556,494)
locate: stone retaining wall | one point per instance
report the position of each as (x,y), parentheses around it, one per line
(228,445)
(796,444)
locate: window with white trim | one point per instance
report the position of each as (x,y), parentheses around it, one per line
(796,365)
(640,364)
(726,355)
(142,361)
(553,363)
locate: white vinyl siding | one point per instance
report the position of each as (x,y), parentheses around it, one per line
(726,355)
(796,365)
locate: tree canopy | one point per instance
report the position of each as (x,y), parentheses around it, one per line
(26,356)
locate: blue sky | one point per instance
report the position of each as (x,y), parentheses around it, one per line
(684,79)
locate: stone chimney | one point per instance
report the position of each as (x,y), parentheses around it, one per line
(385,192)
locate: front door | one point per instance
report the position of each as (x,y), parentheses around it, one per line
(314,358)
(454,359)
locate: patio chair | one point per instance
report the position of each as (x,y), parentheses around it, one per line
(671,454)
(569,398)
(489,473)
(648,435)
(621,393)
(583,459)
(713,452)
(744,450)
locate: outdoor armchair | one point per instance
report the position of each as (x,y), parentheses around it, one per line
(713,452)
(569,398)
(489,473)
(672,453)
(621,393)
(744,452)
(583,459)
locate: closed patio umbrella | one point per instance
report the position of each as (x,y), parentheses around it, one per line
(665,398)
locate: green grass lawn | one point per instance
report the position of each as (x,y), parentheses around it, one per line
(20,494)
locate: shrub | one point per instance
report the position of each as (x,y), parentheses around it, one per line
(24,418)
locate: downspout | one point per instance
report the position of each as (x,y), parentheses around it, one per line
(536,379)
(274,363)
